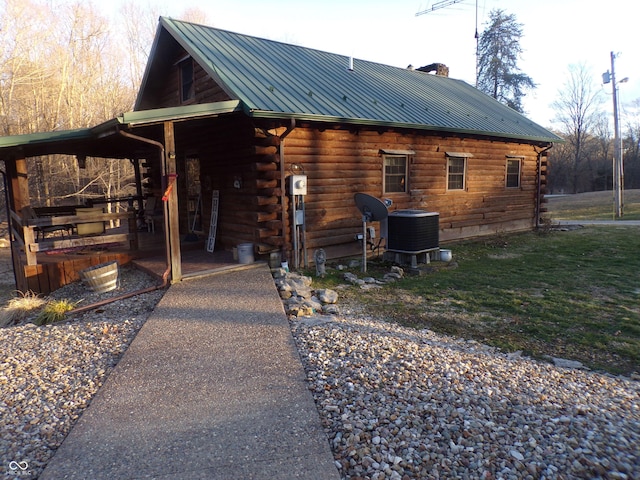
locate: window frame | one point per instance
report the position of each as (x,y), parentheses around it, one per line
(463,174)
(395,154)
(187,86)
(508,175)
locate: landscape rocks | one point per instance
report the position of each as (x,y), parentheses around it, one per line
(398,403)
(48,374)
(401,404)
(299,299)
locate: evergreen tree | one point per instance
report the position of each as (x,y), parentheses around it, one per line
(498,54)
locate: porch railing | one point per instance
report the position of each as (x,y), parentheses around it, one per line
(25,233)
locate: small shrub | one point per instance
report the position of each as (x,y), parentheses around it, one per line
(54,311)
(19,308)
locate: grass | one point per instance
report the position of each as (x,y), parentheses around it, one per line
(54,311)
(43,310)
(572,294)
(593,206)
(20,307)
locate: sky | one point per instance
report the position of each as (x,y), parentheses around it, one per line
(556,34)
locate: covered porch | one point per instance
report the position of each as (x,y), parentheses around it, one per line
(51,245)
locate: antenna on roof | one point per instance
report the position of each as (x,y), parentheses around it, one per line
(438,6)
(446,3)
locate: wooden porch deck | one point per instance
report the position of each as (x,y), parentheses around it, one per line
(58,268)
(196,261)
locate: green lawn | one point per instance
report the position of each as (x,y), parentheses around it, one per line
(593,206)
(572,294)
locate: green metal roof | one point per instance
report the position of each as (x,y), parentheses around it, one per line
(274,79)
(177,113)
(103,139)
(43,137)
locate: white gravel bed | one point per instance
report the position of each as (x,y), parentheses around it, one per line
(396,403)
(400,404)
(48,374)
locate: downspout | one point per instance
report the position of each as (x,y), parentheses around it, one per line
(539,182)
(164,168)
(165,275)
(283,184)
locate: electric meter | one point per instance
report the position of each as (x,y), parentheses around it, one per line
(298,184)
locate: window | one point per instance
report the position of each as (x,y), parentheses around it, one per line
(395,173)
(456,169)
(513,173)
(187,91)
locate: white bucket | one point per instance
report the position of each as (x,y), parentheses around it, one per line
(245,253)
(445,255)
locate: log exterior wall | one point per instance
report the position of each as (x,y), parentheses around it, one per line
(205,89)
(241,162)
(340,163)
(240,157)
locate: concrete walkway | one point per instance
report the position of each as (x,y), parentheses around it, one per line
(617,223)
(212,387)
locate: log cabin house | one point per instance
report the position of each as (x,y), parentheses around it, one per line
(224,120)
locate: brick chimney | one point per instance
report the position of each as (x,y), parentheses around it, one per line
(440,68)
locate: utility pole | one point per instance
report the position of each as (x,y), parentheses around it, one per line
(618,169)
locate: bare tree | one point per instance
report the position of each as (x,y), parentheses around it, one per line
(138,26)
(576,110)
(61,68)
(23,39)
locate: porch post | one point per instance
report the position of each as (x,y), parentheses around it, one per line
(18,183)
(172,232)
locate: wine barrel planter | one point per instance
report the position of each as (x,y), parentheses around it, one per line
(101,278)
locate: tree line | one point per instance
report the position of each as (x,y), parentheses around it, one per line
(584,162)
(66,65)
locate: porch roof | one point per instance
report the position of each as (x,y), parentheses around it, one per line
(104,139)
